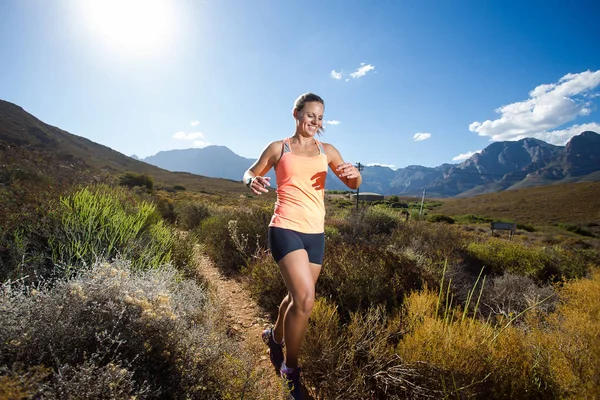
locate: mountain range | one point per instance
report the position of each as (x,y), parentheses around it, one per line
(28,145)
(500,166)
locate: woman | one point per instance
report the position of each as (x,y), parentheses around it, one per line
(296,231)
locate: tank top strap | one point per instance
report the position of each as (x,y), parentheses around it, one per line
(286,146)
(321,148)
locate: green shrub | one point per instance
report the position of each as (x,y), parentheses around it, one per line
(190,214)
(27,221)
(368,224)
(115,333)
(440,218)
(576,229)
(265,282)
(526,227)
(183,254)
(101,222)
(131,179)
(540,263)
(232,237)
(166,209)
(472,219)
(357,276)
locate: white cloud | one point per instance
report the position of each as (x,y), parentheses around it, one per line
(465,156)
(333,122)
(362,70)
(561,137)
(188,136)
(421,136)
(548,107)
(200,143)
(336,75)
(195,123)
(392,166)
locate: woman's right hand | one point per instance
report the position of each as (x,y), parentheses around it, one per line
(259,184)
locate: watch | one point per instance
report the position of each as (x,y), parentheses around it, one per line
(249,181)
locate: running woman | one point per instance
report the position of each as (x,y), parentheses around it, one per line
(296,231)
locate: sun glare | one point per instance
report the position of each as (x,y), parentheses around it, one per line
(134,25)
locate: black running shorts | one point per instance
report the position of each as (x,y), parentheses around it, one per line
(283,241)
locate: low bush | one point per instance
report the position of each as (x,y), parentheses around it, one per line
(566,341)
(471,219)
(265,282)
(358,276)
(368,224)
(440,218)
(540,263)
(191,214)
(112,332)
(233,237)
(437,242)
(183,254)
(576,229)
(432,349)
(131,179)
(165,206)
(466,357)
(27,221)
(507,296)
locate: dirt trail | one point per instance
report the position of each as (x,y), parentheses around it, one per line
(245,322)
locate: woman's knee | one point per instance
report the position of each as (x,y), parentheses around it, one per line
(304,301)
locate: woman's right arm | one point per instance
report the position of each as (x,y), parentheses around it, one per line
(254,176)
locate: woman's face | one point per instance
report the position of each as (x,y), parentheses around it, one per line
(310,118)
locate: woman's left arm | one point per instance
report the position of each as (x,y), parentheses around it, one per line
(347,172)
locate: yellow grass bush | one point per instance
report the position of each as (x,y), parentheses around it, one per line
(468,356)
(567,342)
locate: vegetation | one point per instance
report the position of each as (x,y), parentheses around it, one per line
(417,309)
(112,332)
(131,179)
(101,297)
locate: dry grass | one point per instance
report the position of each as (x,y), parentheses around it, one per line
(576,203)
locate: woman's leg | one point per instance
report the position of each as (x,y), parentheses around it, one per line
(278,328)
(300,277)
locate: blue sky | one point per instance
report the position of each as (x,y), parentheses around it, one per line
(404,82)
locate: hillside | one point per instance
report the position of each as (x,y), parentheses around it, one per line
(542,205)
(32,148)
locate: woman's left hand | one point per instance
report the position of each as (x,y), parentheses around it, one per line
(347,171)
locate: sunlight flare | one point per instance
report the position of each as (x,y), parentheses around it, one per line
(134,25)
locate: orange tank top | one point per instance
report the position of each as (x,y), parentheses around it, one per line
(300,204)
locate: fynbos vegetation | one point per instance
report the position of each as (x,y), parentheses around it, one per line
(102,300)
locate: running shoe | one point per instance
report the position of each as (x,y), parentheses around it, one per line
(275,349)
(291,383)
